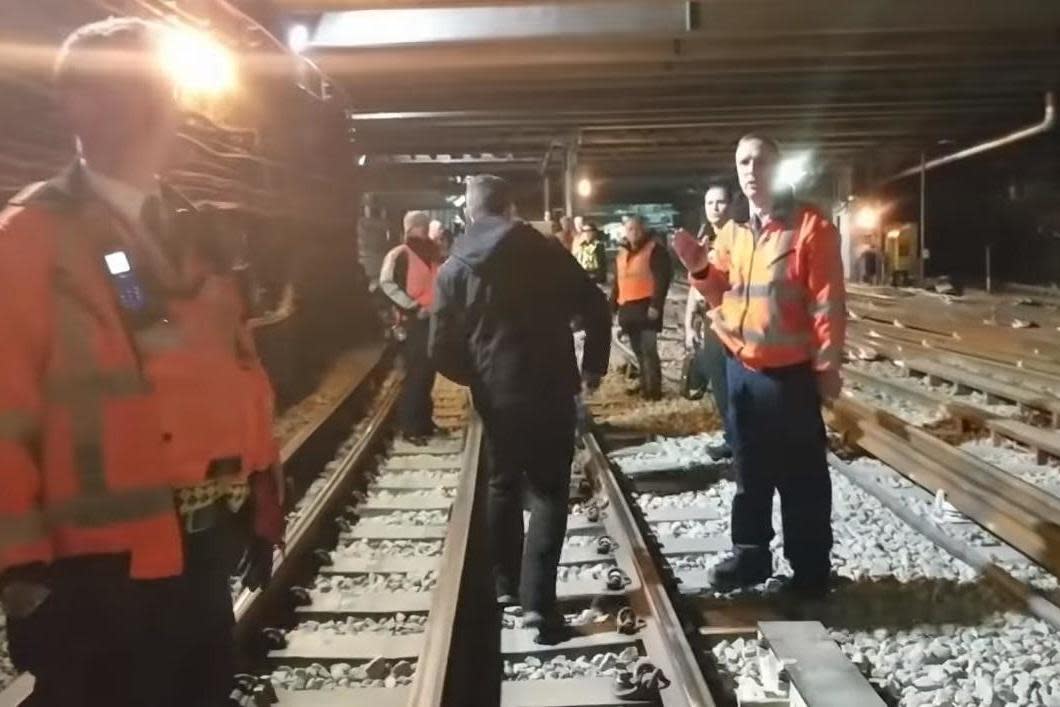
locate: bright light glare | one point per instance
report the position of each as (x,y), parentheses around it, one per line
(198,63)
(585,188)
(298,38)
(792,170)
(867,218)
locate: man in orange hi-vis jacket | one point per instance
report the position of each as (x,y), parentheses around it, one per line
(782,319)
(136,439)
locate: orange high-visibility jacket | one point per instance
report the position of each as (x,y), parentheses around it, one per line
(99,421)
(418,289)
(784,299)
(633,276)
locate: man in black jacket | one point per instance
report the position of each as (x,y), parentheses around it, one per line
(642,278)
(503,306)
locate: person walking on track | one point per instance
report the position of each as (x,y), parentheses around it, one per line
(782,320)
(407,278)
(502,325)
(135,419)
(642,279)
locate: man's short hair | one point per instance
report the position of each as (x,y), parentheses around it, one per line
(769,142)
(120,48)
(719,184)
(487,195)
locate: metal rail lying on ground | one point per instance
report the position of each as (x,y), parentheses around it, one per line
(1017,512)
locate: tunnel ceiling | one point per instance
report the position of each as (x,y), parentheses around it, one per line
(662,89)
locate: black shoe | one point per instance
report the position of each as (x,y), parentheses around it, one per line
(745,568)
(719,452)
(551,627)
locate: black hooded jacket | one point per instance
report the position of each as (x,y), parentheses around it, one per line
(503,307)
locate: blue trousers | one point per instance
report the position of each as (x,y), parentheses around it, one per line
(778,441)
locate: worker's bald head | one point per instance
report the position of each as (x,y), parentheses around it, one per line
(488,195)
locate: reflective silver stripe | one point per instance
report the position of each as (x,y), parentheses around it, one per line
(831,355)
(781,290)
(768,338)
(101,509)
(823,309)
(18,426)
(71,388)
(83,387)
(158,338)
(18,530)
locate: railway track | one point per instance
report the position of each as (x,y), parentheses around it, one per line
(960,549)
(390,617)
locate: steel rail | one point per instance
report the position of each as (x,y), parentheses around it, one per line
(686,676)
(429,685)
(301,535)
(1018,513)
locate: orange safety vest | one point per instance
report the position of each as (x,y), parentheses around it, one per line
(634,278)
(419,280)
(784,299)
(98,422)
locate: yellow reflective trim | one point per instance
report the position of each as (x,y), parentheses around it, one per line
(101,509)
(821,309)
(22,529)
(18,426)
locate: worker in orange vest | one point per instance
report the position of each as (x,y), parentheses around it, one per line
(642,279)
(133,410)
(407,278)
(782,319)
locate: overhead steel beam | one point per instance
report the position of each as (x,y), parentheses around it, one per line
(404,27)
(720,18)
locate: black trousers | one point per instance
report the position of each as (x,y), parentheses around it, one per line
(644,341)
(779,443)
(416,406)
(532,444)
(101,639)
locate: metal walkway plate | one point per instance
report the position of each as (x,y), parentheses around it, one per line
(393,482)
(520,641)
(423,462)
(349,648)
(672,545)
(575,692)
(670,515)
(373,603)
(407,503)
(818,670)
(378,531)
(385,565)
(346,697)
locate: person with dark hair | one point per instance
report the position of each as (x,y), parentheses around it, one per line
(642,278)
(782,319)
(708,352)
(135,417)
(504,305)
(407,279)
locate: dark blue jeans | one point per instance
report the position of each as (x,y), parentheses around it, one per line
(779,442)
(712,361)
